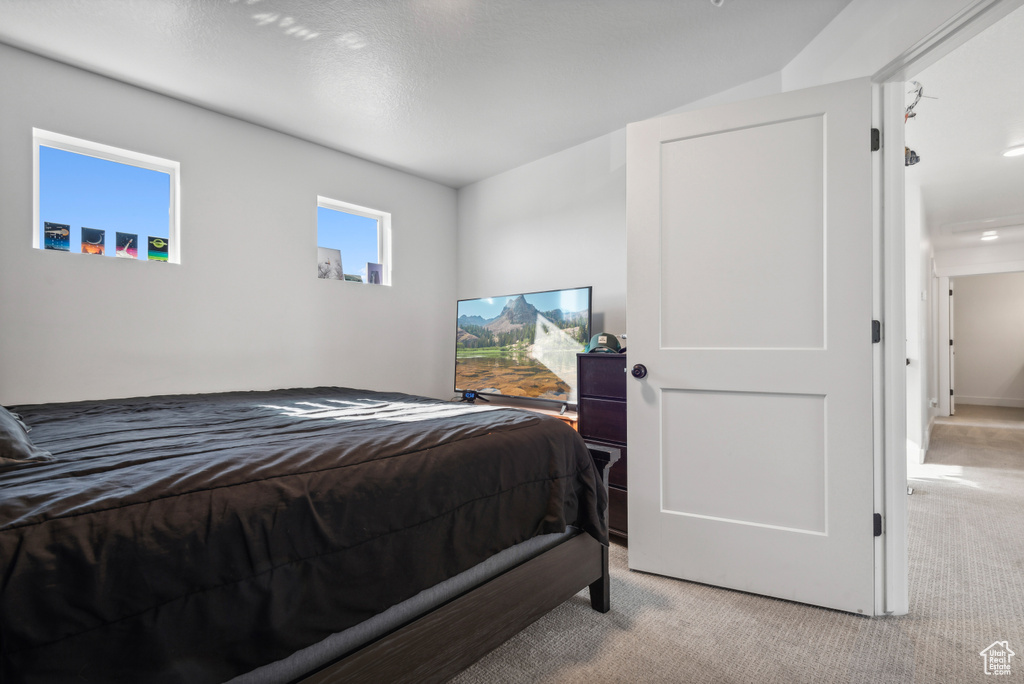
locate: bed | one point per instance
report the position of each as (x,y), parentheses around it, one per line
(247,535)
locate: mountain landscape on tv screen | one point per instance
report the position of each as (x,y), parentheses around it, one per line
(522,351)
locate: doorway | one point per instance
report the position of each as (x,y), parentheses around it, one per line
(987,325)
(964,215)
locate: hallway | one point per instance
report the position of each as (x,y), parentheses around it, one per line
(979,436)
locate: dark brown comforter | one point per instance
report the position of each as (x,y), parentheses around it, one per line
(193,538)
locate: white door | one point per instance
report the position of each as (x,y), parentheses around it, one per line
(749,301)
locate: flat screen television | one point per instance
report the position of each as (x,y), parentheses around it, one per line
(522,345)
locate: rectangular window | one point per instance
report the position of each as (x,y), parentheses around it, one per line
(353,243)
(95,199)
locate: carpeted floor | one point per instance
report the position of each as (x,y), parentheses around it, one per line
(966,527)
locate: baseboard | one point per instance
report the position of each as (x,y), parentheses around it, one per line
(991,401)
(915,454)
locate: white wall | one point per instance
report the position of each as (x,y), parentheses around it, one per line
(560,222)
(922,296)
(989,337)
(915,314)
(868,35)
(994,258)
(554,223)
(767,85)
(574,200)
(926,326)
(935,386)
(949,265)
(244,309)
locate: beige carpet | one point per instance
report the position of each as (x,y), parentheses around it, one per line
(966,591)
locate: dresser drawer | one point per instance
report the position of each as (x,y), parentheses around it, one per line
(602,375)
(602,419)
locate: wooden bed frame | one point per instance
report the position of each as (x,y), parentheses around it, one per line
(446,640)
(440,644)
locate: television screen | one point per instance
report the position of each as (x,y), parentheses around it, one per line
(522,345)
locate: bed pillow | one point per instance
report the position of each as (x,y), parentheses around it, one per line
(15,446)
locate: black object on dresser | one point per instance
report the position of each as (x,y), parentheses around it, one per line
(601,407)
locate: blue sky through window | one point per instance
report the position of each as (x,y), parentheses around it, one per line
(88,192)
(354,235)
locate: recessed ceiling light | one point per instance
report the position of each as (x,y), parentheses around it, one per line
(1014,151)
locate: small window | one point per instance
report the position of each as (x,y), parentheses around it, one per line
(353,243)
(96,199)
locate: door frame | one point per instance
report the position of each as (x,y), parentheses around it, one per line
(891,563)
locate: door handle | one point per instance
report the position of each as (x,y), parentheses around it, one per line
(639,371)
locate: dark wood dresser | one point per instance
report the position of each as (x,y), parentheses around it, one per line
(601,406)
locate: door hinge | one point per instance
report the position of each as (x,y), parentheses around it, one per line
(876,332)
(878,524)
(876,140)
(951,343)
(950,391)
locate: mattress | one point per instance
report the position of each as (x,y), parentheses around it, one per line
(195,538)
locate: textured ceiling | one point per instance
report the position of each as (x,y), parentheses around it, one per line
(451,90)
(967,185)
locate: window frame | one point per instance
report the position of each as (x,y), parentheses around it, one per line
(119,155)
(383,219)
